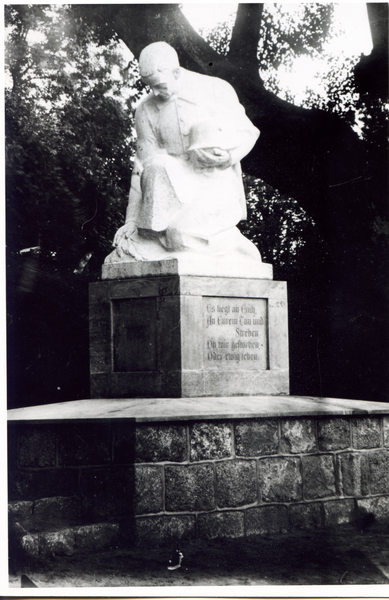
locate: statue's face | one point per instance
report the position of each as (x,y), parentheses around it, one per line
(164,85)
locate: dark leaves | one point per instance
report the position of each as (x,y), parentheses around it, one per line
(69,136)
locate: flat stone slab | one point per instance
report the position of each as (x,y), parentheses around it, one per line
(187,409)
(186,265)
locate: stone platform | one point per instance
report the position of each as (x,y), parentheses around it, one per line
(185,409)
(148,471)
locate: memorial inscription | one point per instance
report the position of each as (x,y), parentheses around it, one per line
(235,333)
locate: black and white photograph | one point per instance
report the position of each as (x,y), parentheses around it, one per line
(197,299)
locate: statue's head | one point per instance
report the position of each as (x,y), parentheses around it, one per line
(160,69)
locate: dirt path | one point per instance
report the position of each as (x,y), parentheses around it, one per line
(345,557)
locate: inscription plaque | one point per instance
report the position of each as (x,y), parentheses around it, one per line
(235,332)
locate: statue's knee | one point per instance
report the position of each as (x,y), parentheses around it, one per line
(173,238)
(172,232)
(159,162)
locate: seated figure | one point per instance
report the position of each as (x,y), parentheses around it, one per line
(186,191)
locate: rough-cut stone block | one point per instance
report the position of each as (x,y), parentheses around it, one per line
(318,476)
(156,443)
(366,432)
(106,493)
(385,424)
(333,434)
(221,525)
(20,510)
(256,437)
(86,444)
(124,442)
(298,436)
(210,440)
(280,479)
(305,516)
(189,488)
(354,474)
(70,541)
(56,512)
(266,519)
(379,472)
(148,489)
(339,512)
(122,491)
(56,543)
(95,537)
(379,507)
(30,544)
(150,531)
(43,483)
(12,445)
(37,447)
(236,483)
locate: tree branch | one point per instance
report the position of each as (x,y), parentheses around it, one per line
(141,24)
(245,36)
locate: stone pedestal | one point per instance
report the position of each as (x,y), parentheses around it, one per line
(177,335)
(88,474)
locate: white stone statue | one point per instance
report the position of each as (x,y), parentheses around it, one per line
(186,193)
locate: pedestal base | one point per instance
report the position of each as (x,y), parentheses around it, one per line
(188,336)
(189,264)
(155,470)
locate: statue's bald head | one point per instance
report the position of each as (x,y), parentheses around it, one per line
(157,58)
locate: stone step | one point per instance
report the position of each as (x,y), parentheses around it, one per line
(68,541)
(54,526)
(46,514)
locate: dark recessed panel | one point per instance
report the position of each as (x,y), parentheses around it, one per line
(135,334)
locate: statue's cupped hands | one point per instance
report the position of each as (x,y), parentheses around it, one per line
(210,158)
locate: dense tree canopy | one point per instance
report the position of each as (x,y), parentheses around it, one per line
(69,135)
(317,189)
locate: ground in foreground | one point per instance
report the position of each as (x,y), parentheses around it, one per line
(346,556)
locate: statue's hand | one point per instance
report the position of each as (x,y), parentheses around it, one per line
(123,243)
(204,158)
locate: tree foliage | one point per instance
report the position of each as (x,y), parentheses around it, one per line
(69,144)
(282,36)
(69,135)
(278,226)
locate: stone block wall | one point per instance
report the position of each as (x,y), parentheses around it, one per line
(156,482)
